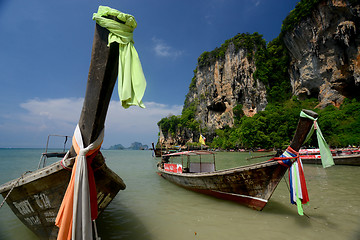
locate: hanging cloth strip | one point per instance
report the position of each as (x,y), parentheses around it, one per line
(298,190)
(79,205)
(131,79)
(326,156)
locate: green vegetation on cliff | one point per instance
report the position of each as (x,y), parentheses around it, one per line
(246,41)
(272,69)
(274,127)
(174,124)
(301,11)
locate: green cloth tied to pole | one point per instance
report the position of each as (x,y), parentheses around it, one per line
(131,79)
(326,156)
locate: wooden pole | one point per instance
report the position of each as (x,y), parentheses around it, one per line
(101,81)
(303,128)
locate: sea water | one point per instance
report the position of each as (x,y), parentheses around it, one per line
(150,208)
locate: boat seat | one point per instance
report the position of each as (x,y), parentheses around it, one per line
(196,167)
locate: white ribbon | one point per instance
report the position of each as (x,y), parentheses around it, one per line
(82,226)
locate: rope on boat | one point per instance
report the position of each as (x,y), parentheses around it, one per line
(13,186)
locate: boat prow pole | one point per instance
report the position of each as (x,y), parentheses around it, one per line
(302,130)
(101,81)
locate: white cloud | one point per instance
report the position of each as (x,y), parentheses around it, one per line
(136,119)
(135,123)
(62,109)
(60,116)
(164,50)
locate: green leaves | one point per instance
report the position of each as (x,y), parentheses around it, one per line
(341,127)
(249,42)
(274,127)
(271,69)
(302,10)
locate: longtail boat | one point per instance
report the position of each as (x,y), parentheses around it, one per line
(341,157)
(251,185)
(36,197)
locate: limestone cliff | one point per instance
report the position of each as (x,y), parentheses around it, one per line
(325,53)
(323,41)
(221,83)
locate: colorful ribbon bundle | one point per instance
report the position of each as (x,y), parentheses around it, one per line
(79,205)
(298,191)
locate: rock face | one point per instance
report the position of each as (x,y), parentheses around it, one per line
(324,49)
(325,53)
(221,86)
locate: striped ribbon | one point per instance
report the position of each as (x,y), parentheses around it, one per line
(298,190)
(79,205)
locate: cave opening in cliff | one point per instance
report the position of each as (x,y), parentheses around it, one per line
(313,93)
(219,107)
(350,88)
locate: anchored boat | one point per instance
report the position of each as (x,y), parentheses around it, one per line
(340,156)
(36,197)
(251,185)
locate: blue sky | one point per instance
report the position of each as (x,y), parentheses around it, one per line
(45,49)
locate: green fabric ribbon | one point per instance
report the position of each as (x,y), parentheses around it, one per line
(131,79)
(298,200)
(326,156)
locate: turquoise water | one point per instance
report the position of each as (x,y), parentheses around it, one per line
(152,208)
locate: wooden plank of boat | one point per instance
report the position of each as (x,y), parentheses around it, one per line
(251,185)
(36,197)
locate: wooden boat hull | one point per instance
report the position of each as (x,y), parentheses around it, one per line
(37,197)
(251,185)
(351,159)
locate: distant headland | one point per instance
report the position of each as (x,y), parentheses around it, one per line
(133,146)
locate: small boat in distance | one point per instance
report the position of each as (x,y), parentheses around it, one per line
(251,185)
(345,156)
